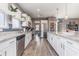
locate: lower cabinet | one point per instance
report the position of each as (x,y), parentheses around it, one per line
(54,42)
(10,51)
(64,46)
(9,48)
(2,53)
(60,46)
(28,38)
(70,49)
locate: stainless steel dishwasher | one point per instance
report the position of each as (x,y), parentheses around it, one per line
(20,44)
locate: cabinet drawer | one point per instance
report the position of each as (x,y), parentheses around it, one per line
(72,44)
(7,43)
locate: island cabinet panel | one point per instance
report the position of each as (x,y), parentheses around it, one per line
(63,46)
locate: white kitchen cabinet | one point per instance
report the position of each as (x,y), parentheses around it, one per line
(28,38)
(63,46)
(60,46)
(70,49)
(2,52)
(8,48)
(8,51)
(54,44)
(11,51)
(49,38)
(16,24)
(4,7)
(57,43)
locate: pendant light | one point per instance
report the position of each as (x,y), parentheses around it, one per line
(57,10)
(66,12)
(38,12)
(57,20)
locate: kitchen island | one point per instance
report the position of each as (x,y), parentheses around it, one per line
(64,44)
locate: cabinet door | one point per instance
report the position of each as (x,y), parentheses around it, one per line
(55,42)
(16,24)
(71,51)
(11,50)
(51,40)
(48,37)
(60,46)
(2,52)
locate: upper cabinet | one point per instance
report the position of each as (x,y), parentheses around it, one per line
(19,15)
(16,24)
(26,20)
(12,16)
(14,11)
(4,7)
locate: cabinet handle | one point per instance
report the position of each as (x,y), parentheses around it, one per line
(61,45)
(52,38)
(5,53)
(11,42)
(69,42)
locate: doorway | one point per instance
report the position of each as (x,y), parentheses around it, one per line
(44,28)
(41,28)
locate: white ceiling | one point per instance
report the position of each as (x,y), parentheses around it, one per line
(49,9)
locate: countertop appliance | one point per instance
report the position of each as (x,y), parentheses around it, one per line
(20,44)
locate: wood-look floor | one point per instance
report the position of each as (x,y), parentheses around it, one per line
(41,49)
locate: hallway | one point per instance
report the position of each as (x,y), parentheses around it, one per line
(41,49)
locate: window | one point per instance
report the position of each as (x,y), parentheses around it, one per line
(2,19)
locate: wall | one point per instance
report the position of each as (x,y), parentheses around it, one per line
(52,24)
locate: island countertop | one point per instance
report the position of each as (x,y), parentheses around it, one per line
(70,37)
